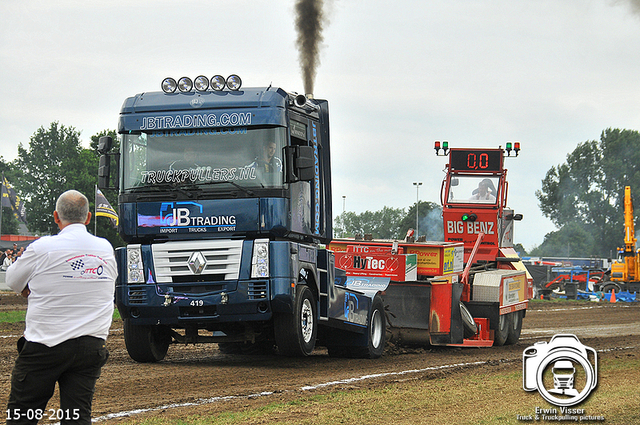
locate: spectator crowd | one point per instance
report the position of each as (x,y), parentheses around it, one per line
(9,256)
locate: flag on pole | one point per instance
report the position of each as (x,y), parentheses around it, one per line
(5,196)
(104,208)
(11,199)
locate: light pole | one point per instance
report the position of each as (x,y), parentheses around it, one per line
(344,203)
(417,185)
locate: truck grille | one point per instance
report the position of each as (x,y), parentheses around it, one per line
(222,260)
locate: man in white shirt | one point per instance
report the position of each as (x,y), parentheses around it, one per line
(69,280)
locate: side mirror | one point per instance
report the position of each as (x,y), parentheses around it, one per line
(305,163)
(104,171)
(105,143)
(300,163)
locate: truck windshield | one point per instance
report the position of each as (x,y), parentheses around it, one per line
(473,190)
(241,157)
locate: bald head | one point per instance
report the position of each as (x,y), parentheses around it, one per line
(72,207)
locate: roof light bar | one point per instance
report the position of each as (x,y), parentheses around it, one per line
(202,84)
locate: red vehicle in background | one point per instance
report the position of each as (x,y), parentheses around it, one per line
(470,290)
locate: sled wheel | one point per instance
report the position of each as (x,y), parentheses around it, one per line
(516,327)
(502,330)
(470,327)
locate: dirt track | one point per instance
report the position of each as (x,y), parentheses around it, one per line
(214,381)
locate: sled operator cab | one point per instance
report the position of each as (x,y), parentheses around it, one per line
(474,199)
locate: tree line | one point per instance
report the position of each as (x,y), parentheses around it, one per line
(392,223)
(54,162)
(584,196)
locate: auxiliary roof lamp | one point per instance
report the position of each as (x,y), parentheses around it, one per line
(515,147)
(444,147)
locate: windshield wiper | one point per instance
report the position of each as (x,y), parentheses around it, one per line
(185,190)
(236,185)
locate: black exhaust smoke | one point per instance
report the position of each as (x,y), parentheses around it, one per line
(309,22)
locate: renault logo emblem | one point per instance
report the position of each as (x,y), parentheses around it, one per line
(197,262)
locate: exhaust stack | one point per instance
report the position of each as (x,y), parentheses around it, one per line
(304,101)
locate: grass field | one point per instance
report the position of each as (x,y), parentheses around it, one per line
(467,397)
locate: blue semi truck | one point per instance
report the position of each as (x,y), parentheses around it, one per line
(225,204)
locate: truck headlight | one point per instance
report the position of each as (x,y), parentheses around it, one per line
(260,258)
(134,264)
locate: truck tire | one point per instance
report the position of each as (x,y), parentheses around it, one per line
(146,344)
(377,336)
(502,330)
(377,331)
(296,333)
(515,328)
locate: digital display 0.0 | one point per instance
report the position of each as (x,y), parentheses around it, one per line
(476,160)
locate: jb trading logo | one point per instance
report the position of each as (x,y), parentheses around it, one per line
(564,372)
(178,214)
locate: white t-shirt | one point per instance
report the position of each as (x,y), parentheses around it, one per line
(71,277)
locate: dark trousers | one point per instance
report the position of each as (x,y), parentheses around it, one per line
(74,364)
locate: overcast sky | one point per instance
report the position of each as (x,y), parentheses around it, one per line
(398,76)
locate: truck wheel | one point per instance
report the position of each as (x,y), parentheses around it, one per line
(296,333)
(146,344)
(502,330)
(515,328)
(377,331)
(377,336)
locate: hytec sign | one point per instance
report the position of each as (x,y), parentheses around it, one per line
(377,261)
(432,260)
